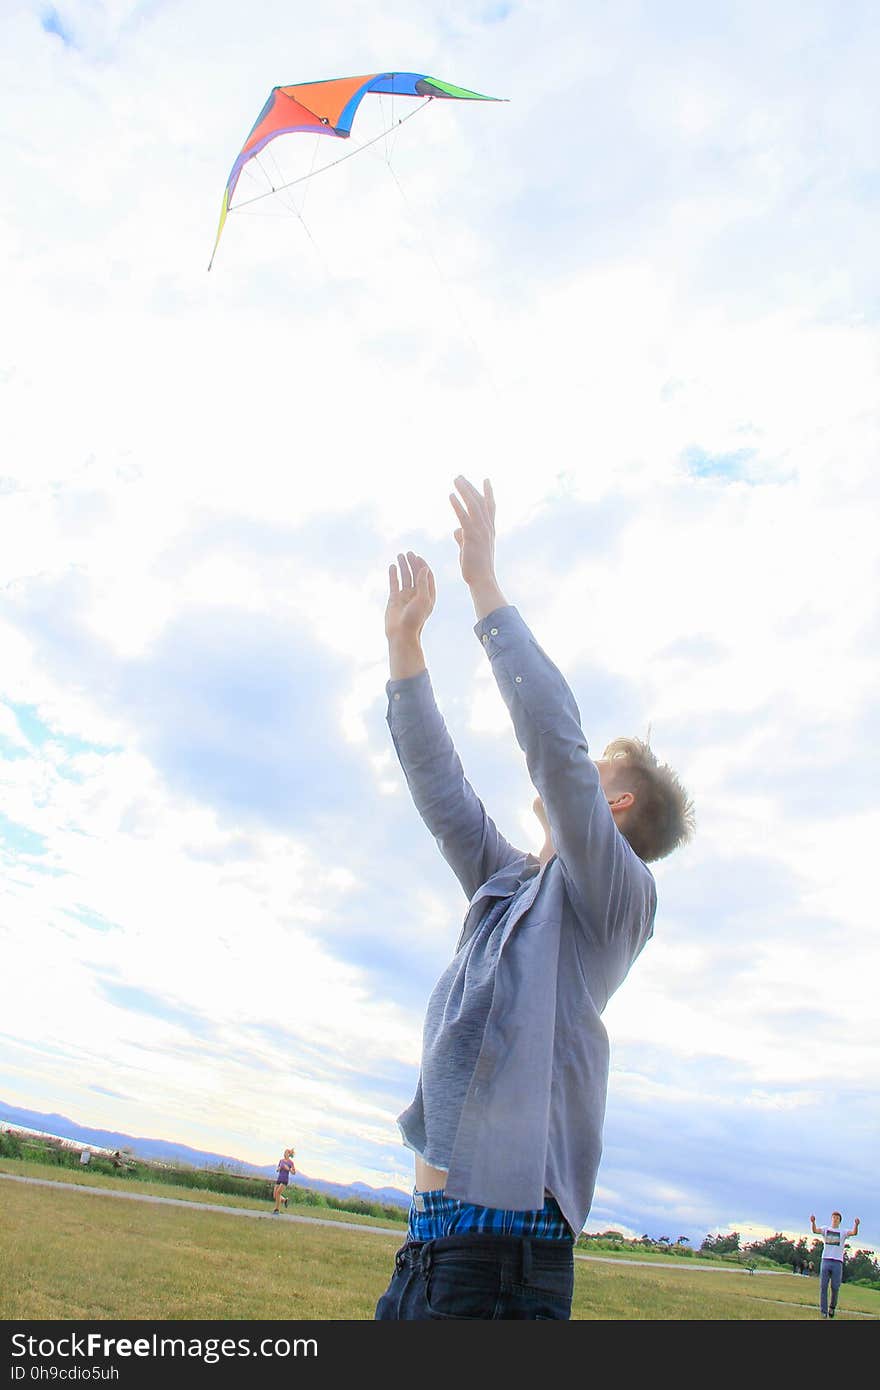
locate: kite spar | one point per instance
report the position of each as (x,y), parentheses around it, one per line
(328,108)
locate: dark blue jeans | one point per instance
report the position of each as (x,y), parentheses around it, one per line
(480,1276)
(830,1272)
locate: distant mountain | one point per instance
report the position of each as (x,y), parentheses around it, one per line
(60,1127)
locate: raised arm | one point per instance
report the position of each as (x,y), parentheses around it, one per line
(606,881)
(411,600)
(476,545)
(813,1227)
(466,836)
(855,1229)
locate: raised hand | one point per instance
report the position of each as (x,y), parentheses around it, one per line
(475,533)
(475,536)
(411,597)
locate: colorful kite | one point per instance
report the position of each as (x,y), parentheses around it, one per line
(328,108)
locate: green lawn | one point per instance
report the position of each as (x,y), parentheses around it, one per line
(66,1254)
(70,1255)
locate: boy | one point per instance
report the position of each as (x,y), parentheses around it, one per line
(506,1122)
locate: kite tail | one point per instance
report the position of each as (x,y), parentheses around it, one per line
(223,211)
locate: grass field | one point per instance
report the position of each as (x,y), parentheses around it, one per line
(71,1255)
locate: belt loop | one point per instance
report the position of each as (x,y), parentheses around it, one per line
(526,1260)
(426,1258)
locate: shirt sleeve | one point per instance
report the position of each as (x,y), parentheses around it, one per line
(466,835)
(611,889)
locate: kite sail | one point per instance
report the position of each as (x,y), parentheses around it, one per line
(328,108)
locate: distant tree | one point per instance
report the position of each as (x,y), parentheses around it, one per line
(721,1245)
(861,1265)
(682,1240)
(10,1146)
(801,1252)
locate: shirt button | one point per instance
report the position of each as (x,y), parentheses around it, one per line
(485,639)
(518,680)
(397,694)
(494,631)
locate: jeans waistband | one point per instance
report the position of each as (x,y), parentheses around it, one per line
(526,1251)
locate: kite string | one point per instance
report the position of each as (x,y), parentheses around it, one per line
(287,197)
(311,171)
(288,200)
(392,130)
(447,286)
(247,172)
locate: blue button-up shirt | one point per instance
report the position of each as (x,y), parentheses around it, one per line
(532,1105)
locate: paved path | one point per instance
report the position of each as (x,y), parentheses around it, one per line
(199,1206)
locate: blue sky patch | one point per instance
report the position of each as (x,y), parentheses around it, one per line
(497,13)
(728,468)
(54,24)
(140,1001)
(10,751)
(93,920)
(38,733)
(18,837)
(34,730)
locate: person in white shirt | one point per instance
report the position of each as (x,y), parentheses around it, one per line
(831,1270)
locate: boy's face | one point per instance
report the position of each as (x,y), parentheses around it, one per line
(607,774)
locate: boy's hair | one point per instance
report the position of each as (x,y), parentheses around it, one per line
(663,815)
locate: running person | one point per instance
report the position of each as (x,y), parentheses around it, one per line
(285,1172)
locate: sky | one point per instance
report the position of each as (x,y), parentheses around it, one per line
(641,294)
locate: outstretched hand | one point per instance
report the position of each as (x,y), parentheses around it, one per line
(411,597)
(475,533)
(475,536)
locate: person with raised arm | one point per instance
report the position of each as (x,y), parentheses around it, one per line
(833,1255)
(506,1122)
